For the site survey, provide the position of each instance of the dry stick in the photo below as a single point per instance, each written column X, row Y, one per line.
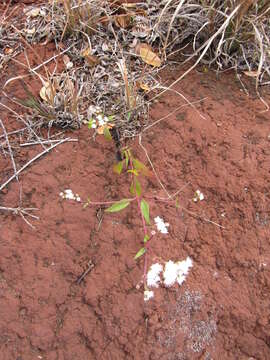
column 14, row 132
column 205, row 46
column 9, row 149
column 47, row 142
column 31, row 161
column 183, row 97
column 39, row 66
column 202, row 218
column 22, row 119
column 152, row 166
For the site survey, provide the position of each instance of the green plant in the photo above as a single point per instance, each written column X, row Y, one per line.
column 136, row 169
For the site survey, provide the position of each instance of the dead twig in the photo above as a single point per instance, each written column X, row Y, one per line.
column 23, row 212
column 10, row 150
column 91, row 265
column 31, row 161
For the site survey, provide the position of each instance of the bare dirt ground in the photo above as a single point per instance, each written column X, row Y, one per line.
column 220, row 312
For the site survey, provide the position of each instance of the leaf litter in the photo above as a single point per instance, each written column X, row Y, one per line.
column 113, row 53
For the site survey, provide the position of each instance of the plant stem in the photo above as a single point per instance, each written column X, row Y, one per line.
column 144, row 226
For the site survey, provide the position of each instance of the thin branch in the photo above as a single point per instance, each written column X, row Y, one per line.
column 31, row 161
column 9, row 149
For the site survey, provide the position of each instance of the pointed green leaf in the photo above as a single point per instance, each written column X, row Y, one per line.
column 138, row 187
column 145, row 211
column 117, row 168
column 139, row 253
column 107, row 134
column 177, row 203
column 120, row 205
column 140, row 167
column 146, row 238
column 131, row 190
column 138, row 190
column 126, row 158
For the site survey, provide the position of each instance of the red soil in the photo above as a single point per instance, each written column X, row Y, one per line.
column 220, row 312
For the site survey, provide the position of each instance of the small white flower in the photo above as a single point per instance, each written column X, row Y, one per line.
column 100, row 117
column 69, row 65
column 161, row 225
column 153, row 277
column 101, row 122
column 153, row 232
column 94, row 126
column 198, row 196
column 148, row 295
column 78, row 199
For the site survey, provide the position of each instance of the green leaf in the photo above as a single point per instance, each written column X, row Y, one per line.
column 120, row 205
column 137, row 190
column 117, row 168
column 90, row 123
column 177, row 203
column 111, row 117
column 126, row 158
column 138, row 187
column 107, row 134
column 146, row 238
column 145, row 211
column 139, row 253
column 140, row 167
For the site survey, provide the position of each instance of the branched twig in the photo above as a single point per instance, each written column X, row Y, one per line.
column 23, row 212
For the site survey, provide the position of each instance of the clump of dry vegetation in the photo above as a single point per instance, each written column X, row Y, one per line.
column 113, row 50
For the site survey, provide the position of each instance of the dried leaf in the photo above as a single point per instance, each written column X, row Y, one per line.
column 30, row 31
column 92, row 60
column 101, row 129
column 252, row 73
column 144, row 87
column 34, row 12
column 67, row 62
column 123, row 21
column 8, row 51
column 148, row 56
column 46, row 92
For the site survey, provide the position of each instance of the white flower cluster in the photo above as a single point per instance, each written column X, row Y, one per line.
column 153, row 277
column 198, row 196
column 68, row 194
column 161, row 225
column 176, row 272
column 96, row 117
column 172, row 272
column 148, row 294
